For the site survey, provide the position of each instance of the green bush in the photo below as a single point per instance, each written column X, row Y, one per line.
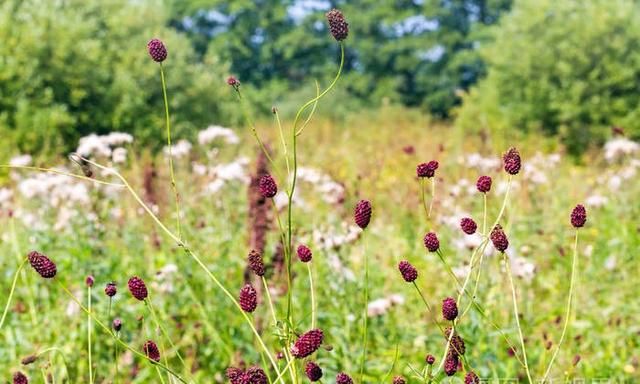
column 569, row 68
column 69, row 68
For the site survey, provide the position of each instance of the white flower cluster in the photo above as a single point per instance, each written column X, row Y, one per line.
column 330, row 191
column 106, row 146
column 481, row 163
column 214, row 132
column 179, row 150
column 537, row 168
column 619, row 148
column 332, row 239
column 381, row 306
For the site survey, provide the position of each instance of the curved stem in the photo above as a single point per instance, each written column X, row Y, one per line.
column 516, row 314
column 13, row 288
column 569, row 302
column 284, row 142
column 51, row 170
column 195, row 257
column 171, row 171
column 117, row 339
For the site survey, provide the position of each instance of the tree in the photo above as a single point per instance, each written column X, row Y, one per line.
column 559, row 67
column 69, row 68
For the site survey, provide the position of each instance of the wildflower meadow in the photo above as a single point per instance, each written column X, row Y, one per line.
column 384, row 246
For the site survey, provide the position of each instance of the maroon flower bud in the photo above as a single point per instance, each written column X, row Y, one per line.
column 232, row 81
column 117, row 324
column 248, row 298
column 304, row 253
column 578, row 216
column 20, row 378
column 512, row 161
column 307, row 344
column 343, row 378
column 256, row 376
column 89, row 281
column 431, row 242
column 29, row 360
column 254, row 260
column 157, row 50
column 362, row 213
column 408, row 271
column 137, row 288
column 457, row 343
column 449, row 309
column 451, row 364
column 268, row 187
column 430, row 359
column 399, row 380
column 151, row 350
column 110, row 289
column 484, row 184
column 338, row 27
column 471, row 378
column 313, row 371
column 499, row 238
column 427, row 169
column 576, row 360
column 235, row 375
column 42, row 264
column 468, row 226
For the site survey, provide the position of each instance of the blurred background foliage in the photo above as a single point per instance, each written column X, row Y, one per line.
column 73, row 67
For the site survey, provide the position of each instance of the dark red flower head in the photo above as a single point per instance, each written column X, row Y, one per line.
column 362, row 213
column 268, row 187
column 468, row 225
column 137, row 288
column 304, row 253
column 399, row 380
column 409, row 272
column 451, row 364
column 307, row 343
column 232, row 81
column 110, row 289
column 42, row 264
column 117, row 324
column 235, row 375
column 431, row 242
column 29, row 360
column 248, row 298
column 157, row 50
column 89, row 281
column 20, row 378
column 449, row 309
column 151, row 350
column 484, row 184
column 457, row 343
column 499, row 238
column 255, row 262
column 578, row 216
column 313, row 371
column 471, row 378
column 427, row 169
column 343, row 378
column 338, row 26
column 430, row 359
column 512, row 161
column 256, row 376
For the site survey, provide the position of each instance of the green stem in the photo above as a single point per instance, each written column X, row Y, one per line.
column 313, row 298
column 484, row 215
column 433, row 194
column 89, row 334
column 516, row 314
column 574, row 264
column 365, row 316
column 424, row 199
column 284, row 142
column 13, row 288
column 117, row 339
column 171, row 171
column 164, row 331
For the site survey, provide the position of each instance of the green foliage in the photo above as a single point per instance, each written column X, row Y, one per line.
column 560, row 67
column 409, row 52
column 75, row 67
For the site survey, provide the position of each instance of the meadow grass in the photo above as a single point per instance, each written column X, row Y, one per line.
column 112, row 239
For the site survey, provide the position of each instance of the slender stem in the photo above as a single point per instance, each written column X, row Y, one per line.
column 516, row 314
column 51, row 170
column 484, row 215
column 574, row 264
column 115, row 379
column 171, row 171
column 284, row 142
column 195, row 257
column 423, row 198
column 89, row 334
column 117, row 339
column 433, row 194
column 13, row 288
column 365, row 314
column 314, row 313
column 164, row 331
